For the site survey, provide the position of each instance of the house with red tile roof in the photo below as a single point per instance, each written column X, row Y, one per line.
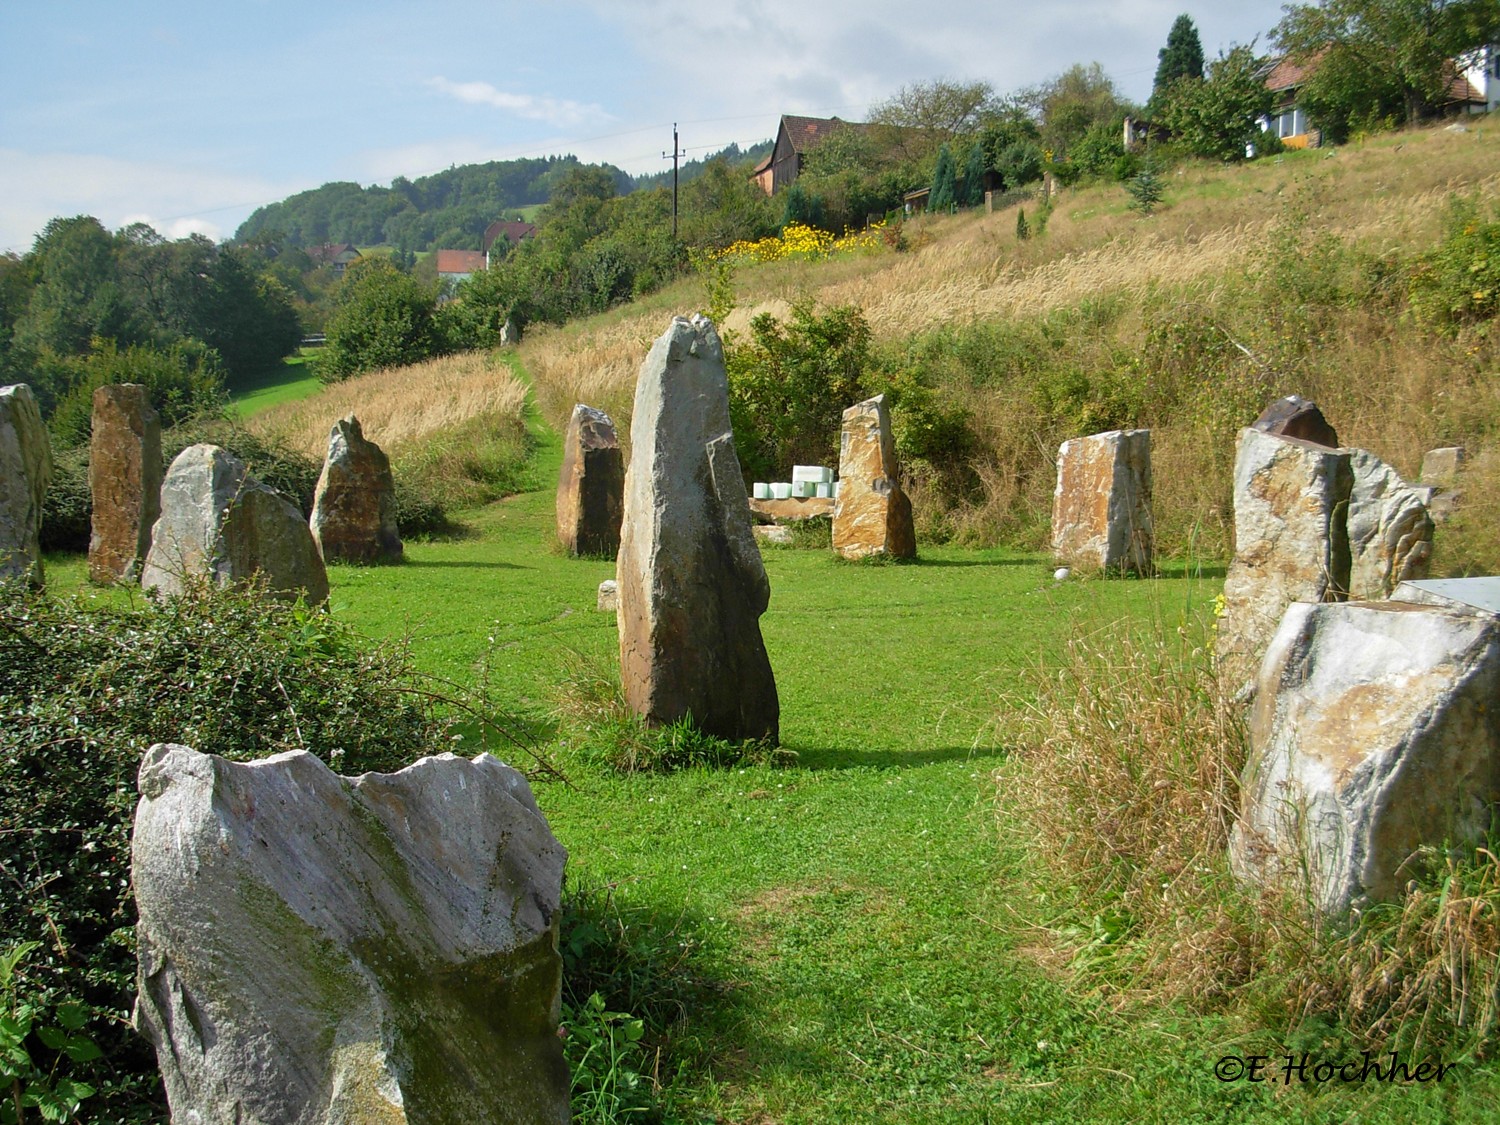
column 513, row 231
column 458, row 265
column 795, row 138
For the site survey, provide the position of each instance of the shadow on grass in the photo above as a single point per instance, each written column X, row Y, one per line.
column 458, row 564
column 815, row 759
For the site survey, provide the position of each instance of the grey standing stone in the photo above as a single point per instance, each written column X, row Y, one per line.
column 590, row 485
column 354, row 506
column 1374, row 732
column 1442, row 470
column 691, row 583
column 222, row 525
column 323, row 950
column 1291, row 542
column 608, row 600
column 1390, row 530
column 1101, row 507
column 125, row 475
column 25, row 473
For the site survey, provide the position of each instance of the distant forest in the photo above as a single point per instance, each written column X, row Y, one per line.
column 447, row 210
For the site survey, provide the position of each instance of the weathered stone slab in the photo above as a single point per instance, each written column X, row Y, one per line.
column 1297, row 417
column 1471, row 595
column 1390, row 530
column 591, row 485
column 1441, row 467
column 125, row 475
column 793, row 510
column 354, row 506
column 1291, row 542
column 1374, row 732
column 25, row 472
column 324, row 950
column 871, row 515
column 609, row 596
column 691, row 583
column 222, row 525
column 1101, row 507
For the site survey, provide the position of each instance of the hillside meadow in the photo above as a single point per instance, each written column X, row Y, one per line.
column 985, row 880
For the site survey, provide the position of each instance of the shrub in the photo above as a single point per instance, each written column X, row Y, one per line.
column 83, row 692
column 384, row 318
column 1458, row 283
column 181, row 381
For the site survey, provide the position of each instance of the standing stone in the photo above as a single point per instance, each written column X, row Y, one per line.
column 354, row 506
column 125, row 477
column 325, row 950
column 1291, row 541
column 608, row 598
column 1296, row 417
column 591, row 485
column 1440, row 472
column 25, row 472
column 691, row 583
column 1390, row 530
column 510, row 332
column 1101, row 509
column 1374, row 732
column 871, row 515
column 220, row 524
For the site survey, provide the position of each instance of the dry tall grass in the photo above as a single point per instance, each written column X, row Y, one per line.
column 398, row 406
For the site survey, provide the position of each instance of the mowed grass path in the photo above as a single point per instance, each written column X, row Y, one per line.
column 865, row 920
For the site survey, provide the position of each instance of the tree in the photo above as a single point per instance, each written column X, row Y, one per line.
column 944, row 182
column 1074, row 102
column 921, row 117
column 973, row 183
column 1381, row 59
column 1182, row 57
column 384, row 318
column 1219, row 116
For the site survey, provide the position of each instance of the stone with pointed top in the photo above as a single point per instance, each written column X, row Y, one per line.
column 1297, row 417
column 354, row 506
column 691, row 583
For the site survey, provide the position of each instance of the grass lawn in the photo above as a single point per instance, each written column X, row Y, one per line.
column 289, row 381
column 873, row 942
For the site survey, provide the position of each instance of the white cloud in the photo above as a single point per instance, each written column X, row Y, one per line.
column 175, row 199
column 561, row 113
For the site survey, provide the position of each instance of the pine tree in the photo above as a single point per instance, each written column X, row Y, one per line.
column 1145, row 190
column 1023, row 229
column 1182, row 57
column 944, row 182
column 973, row 192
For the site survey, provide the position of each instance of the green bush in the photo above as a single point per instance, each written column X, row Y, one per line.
column 83, row 692
column 181, row 381
column 384, row 318
column 68, row 505
column 1458, row 283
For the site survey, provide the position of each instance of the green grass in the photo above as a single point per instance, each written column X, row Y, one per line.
column 289, row 381
column 868, row 930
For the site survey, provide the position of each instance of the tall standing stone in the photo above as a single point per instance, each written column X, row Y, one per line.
column 25, row 472
column 1291, row 541
column 125, row 475
column 1390, row 529
column 1374, row 732
column 691, row 583
column 591, row 485
column 354, row 506
column 222, row 525
column 1101, row 508
column 325, row 950
column 871, row 515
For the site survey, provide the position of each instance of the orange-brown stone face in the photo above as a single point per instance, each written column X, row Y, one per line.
column 591, row 485
column 125, row 474
column 354, row 508
column 872, row 515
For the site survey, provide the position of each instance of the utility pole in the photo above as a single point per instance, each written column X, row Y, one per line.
column 676, row 152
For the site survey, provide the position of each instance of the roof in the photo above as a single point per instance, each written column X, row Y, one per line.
column 512, row 230
column 459, row 261
column 1288, row 73
column 331, row 251
column 805, row 133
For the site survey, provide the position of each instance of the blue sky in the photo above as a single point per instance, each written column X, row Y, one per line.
column 188, row 116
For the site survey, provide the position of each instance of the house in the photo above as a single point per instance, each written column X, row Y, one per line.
column 1473, row 87
column 458, row 265
column 511, row 230
column 335, row 254
column 795, row 138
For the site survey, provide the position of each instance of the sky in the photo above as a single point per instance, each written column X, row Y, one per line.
column 188, row 116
